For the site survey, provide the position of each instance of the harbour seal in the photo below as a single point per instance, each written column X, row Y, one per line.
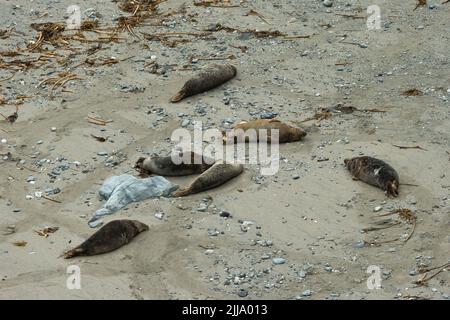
column 211, row 77
column 164, row 166
column 215, row 176
column 287, row 133
column 110, row 237
column 374, row 172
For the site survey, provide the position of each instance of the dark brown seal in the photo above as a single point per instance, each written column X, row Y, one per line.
column 209, row 78
column 215, row 176
column 164, row 166
column 287, row 133
column 374, row 172
column 110, row 237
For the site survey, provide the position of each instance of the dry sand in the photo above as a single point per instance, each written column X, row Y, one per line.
column 313, row 222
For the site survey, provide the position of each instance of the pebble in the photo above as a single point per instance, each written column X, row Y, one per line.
column 278, row 261
column 225, row 214
column 40, row 142
column 185, row 123
column 359, row 244
column 159, row 215
column 376, row 209
column 328, row 3
column 17, row 210
column 213, row 232
column 242, row 293
column 51, row 191
column 295, row 177
column 202, row 207
column 4, row 141
column 102, row 153
column 307, row 293
column 53, row 129
column 31, row 179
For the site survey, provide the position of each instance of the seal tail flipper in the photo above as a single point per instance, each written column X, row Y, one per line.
column 72, row 253
column 181, row 193
column 179, row 96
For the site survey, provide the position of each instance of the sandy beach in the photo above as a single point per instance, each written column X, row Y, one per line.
column 297, row 234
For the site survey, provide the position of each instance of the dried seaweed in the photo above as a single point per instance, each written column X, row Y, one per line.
column 257, row 14
column 98, row 121
column 48, row 31
column 351, row 109
column 134, row 6
column 60, row 80
column 215, row 3
column 322, row 114
column 404, row 214
column 98, row 138
column 20, row 243
column 412, row 92
column 420, row 3
column 89, row 25
column 425, row 278
column 13, row 117
column 45, row 232
column 410, row 147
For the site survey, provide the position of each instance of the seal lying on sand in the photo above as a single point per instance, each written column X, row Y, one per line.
column 374, row 172
column 286, row 132
column 207, row 79
column 215, row 176
column 110, row 237
column 164, row 166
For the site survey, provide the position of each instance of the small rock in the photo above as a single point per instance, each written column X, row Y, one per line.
column 202, row 207
column 307, row 293
column 159, row 215
column 359, row 244
column 376, row 209
column 328, row 3
column 278, row 261
column 225, row 214
column 242, row 293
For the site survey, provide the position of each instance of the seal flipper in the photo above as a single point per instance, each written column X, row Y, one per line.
column 181, row 193
column 73, row 253
column 179, row 96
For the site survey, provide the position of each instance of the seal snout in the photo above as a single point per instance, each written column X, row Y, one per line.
column 297, row 134
column 140, row 226
column 392, row 188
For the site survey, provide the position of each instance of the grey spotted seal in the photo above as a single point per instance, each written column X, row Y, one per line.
column 375, row 172
column 165, row 166
column 209, row 78
column 111, row 236
column 215, row 176
column 286, row 132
